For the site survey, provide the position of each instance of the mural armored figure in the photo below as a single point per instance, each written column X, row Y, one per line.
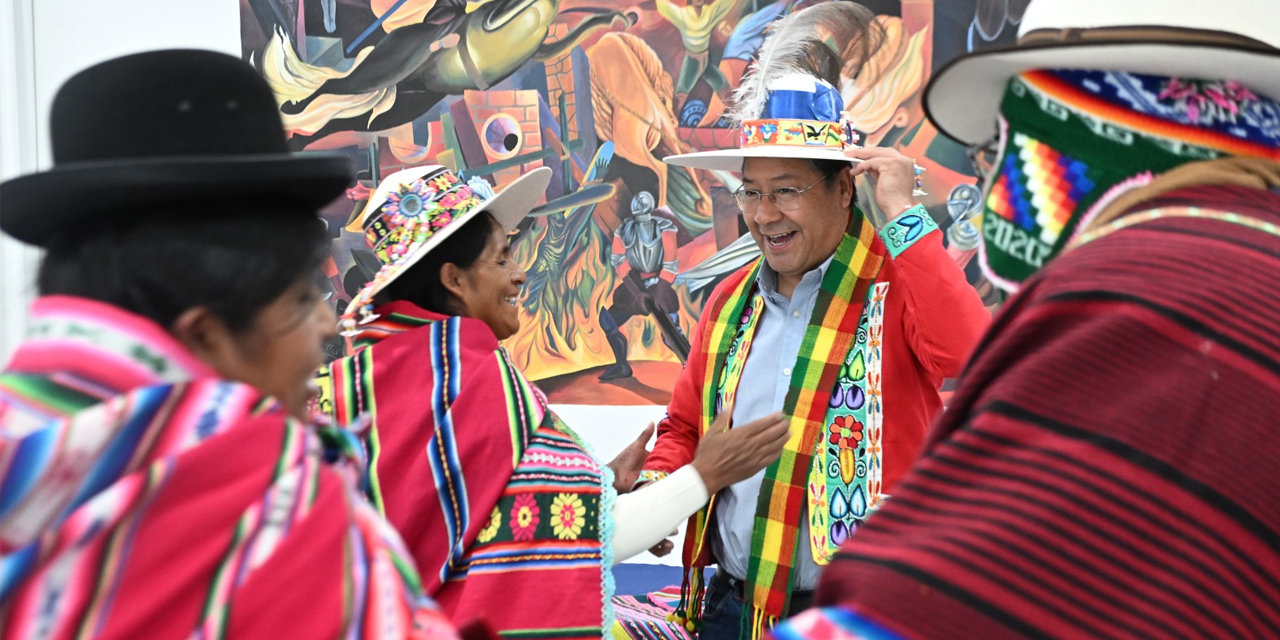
column 644, row 259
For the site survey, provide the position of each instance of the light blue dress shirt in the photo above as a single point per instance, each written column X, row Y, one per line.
column 762, row 389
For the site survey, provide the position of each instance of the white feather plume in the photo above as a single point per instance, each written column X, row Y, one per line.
column 818, row 41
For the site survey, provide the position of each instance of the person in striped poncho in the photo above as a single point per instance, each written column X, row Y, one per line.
column 157, row 476
column 1106, row 468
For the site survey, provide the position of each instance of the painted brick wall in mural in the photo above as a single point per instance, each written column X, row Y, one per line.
column 598, row 91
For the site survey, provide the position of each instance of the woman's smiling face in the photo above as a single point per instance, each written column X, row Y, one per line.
column 489, row 289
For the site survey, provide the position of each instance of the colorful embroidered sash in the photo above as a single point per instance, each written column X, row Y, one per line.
column 844, row 480
column 831, row 335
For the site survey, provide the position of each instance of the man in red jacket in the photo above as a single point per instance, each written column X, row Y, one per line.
column 1106, row 466
column 848, row 325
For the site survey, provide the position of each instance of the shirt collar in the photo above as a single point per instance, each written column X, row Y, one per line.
column 767, row 278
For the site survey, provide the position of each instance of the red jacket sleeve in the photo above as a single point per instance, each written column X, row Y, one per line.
column 944, row 317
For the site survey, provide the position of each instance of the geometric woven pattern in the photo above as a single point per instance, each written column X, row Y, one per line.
column 1039, row 187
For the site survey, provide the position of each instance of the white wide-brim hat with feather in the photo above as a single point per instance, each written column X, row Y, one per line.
column 415, row 210
column 786, row 106
column 1225, row 40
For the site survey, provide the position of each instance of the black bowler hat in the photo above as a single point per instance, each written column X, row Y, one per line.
column 163, row 127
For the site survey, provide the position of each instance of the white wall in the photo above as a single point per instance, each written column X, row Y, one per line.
column 609, row 430
column 18, row 155
column 44, row 42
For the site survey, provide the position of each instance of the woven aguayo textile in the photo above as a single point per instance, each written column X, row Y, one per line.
column 648, row 617
column 501, row 505
column 1107, row 467
column 141, row 496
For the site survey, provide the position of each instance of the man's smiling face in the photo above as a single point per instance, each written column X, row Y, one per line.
column 796, row 242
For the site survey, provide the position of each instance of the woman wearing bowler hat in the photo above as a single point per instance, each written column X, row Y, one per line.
column 157, row 475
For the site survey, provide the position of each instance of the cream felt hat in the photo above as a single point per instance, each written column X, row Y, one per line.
column 1225, row 40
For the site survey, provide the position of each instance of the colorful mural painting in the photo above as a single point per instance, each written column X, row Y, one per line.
column 624, row 249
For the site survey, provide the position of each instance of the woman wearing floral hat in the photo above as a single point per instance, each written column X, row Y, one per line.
column 157, row 478
column 508, row 516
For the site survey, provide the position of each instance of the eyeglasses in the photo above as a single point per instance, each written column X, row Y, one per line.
column 783, row 198
column 984, row 156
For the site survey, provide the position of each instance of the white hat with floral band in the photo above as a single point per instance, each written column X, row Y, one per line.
column 415, row 210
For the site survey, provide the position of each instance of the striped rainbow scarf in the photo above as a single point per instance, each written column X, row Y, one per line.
column 829, row 337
